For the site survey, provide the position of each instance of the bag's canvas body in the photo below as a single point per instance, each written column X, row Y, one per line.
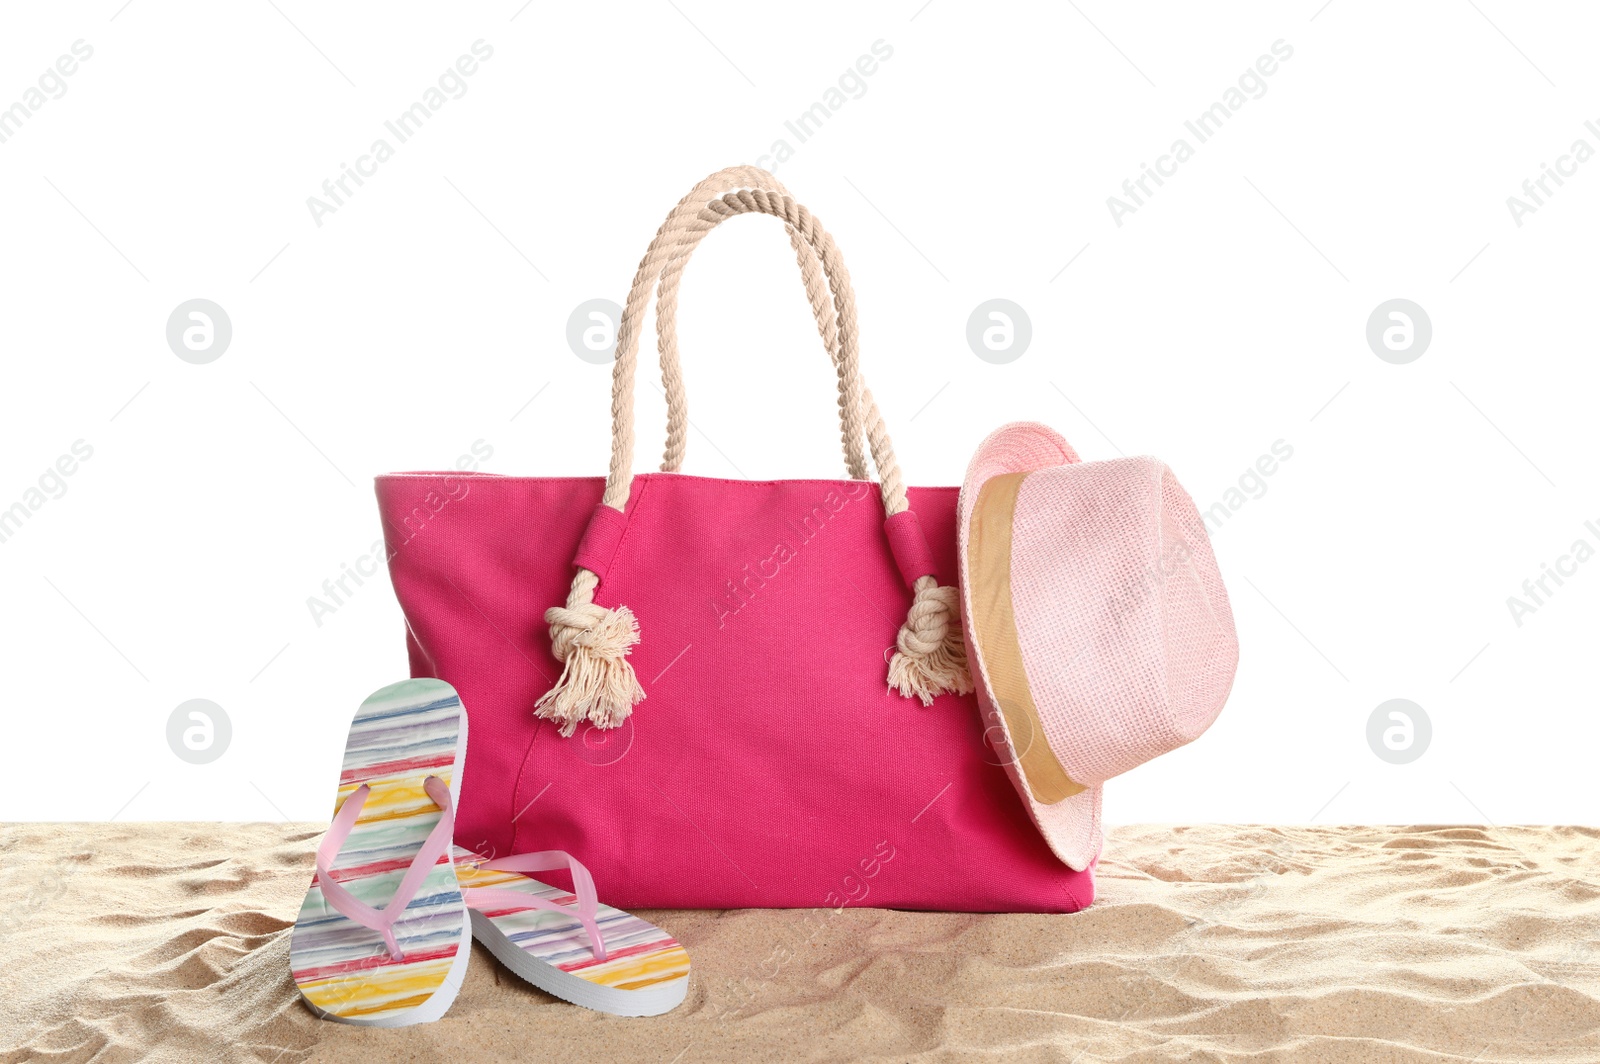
column 769, row 764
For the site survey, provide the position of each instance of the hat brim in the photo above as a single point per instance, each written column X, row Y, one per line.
column 1070, row 824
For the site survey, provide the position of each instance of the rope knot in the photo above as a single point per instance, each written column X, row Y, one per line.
column 930, row 656
column 597, row 682
column 586, row 625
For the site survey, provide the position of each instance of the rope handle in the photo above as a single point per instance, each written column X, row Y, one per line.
column 681, row 238
column 597, row 682
column 674, row 239
column 713, row 213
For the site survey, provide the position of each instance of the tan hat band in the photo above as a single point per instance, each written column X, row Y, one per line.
column 993, row 627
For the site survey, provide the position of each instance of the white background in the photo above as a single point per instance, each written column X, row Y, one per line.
column 429, row 312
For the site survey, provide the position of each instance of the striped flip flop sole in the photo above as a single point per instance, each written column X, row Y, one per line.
column 645, row 973
column 401, row 735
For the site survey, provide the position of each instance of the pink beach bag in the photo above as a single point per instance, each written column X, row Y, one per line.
column 769, row 763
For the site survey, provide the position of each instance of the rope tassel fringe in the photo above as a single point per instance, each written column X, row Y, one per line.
column 597, row 682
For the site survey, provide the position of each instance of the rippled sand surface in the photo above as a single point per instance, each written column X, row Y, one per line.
column 1207, row 943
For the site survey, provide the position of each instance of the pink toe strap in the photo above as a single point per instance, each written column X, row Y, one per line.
column 504, row 898
column 347, row 904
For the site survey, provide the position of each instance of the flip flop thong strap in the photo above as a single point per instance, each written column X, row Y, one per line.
column 436, row 845
column 585, row 911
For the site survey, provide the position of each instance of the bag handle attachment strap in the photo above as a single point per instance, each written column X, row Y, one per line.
column 597, row 682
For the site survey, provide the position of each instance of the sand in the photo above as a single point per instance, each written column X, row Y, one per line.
column 170, row 942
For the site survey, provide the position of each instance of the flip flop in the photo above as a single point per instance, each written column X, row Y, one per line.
column 383, row 936
column 565, row 942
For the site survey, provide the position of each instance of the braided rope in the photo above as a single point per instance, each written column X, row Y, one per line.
column 688, row 238
column 847, row 355
column 664, row 251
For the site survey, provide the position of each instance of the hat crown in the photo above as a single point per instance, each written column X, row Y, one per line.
column 1125, row 629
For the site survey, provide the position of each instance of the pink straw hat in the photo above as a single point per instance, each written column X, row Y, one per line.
column 1096, row 622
